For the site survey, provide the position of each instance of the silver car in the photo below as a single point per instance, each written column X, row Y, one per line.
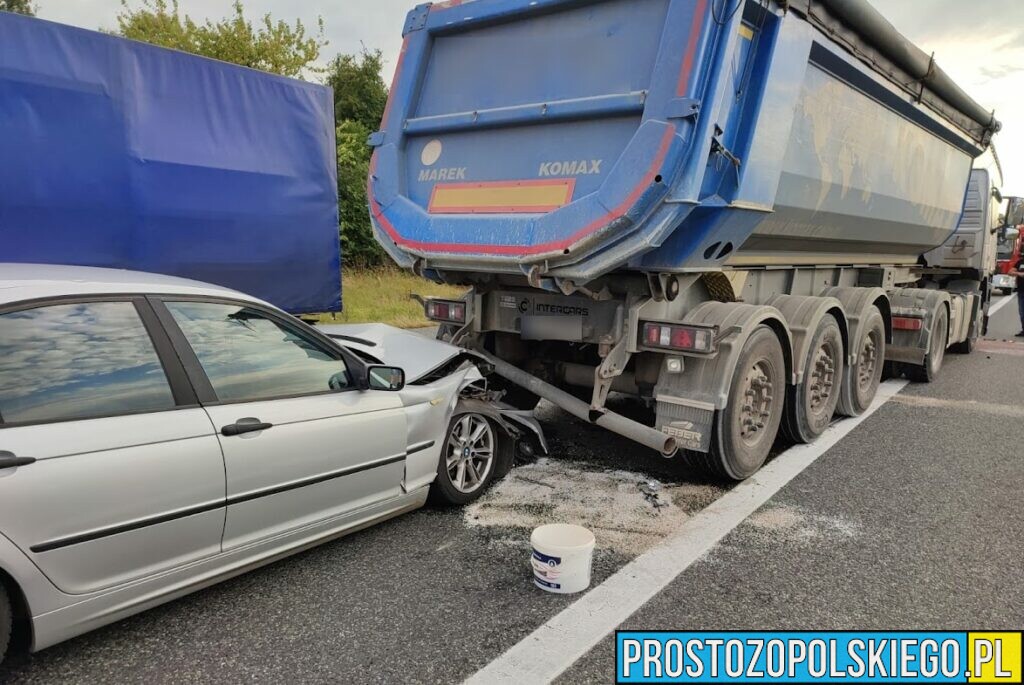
column 158, row 435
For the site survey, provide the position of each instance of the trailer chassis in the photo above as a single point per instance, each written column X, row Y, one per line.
column 838, row 328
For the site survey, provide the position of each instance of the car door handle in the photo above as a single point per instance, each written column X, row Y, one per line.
column 8, row 460
column 242, row 426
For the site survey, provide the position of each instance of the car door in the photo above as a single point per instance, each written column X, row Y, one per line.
column 301, row 443
column 109, row 469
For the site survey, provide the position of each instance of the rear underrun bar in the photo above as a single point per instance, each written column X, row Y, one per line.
column 616, row 423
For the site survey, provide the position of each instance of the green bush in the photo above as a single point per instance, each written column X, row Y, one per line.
column 358, row 246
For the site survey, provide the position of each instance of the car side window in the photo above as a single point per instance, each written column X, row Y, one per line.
column 249, row 356
column 76, row 361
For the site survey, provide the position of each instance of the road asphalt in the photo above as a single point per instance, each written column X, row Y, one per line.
column 911, row 521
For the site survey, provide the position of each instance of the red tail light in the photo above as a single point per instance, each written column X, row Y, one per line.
column 907, row 323
column 446, row 311
column 680, row 338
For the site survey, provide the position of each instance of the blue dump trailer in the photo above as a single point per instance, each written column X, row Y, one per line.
column 741, row 212
column 118, row 154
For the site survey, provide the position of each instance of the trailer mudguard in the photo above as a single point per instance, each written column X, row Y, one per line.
column 912, row 347
column 803, row 314
column 857, row 302
column 687, row 401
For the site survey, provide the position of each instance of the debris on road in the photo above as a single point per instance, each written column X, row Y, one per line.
column 795, row 524
column 628, row 512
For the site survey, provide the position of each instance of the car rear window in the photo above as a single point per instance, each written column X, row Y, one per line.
column 75, row 361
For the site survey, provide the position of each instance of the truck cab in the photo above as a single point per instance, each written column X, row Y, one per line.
column 1008, row 253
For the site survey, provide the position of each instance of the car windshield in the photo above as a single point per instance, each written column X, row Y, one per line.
column 1004, row 249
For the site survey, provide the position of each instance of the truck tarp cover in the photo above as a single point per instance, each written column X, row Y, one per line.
column 119, row 154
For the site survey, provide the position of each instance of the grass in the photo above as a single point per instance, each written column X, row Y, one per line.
column 383, row 296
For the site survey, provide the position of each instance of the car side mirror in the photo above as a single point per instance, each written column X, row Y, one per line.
column 386, row 378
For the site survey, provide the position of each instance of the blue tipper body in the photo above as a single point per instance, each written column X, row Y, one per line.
column 575, row 138
column 119, row 154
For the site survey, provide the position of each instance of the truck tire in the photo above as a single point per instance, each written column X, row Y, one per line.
column 967, row 346
column 811, row 404
column 860, row 384
column 6, row 621
column 929, row 371
column 745, row 430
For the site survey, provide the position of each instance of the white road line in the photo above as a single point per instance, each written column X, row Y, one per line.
column 1000, row 304
column 555, row 646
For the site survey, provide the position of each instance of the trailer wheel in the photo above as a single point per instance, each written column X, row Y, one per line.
column 745, row 430
column 927, row 372
column 811, row 404
column 863, row 377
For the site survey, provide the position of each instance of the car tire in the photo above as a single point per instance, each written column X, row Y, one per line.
column 474, row 453
column 6, row 621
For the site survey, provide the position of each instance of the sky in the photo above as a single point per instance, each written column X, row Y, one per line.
column 980, row 44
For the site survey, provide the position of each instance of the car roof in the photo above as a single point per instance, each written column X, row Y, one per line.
column 20, row 282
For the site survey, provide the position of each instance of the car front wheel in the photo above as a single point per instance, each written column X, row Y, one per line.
column 474, row 450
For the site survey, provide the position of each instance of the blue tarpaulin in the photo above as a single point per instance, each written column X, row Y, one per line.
column 120, row 154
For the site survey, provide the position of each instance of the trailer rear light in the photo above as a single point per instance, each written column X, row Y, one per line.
column 907, row 323
column 446, row 311
column 680, row 338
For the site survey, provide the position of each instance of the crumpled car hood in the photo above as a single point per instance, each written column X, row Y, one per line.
column 414, row 352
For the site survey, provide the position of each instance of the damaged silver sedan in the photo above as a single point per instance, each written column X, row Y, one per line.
column 158, row 435
column 483, row 434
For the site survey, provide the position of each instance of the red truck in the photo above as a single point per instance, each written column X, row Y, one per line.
column 1008, row 253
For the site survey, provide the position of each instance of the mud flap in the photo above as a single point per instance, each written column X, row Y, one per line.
column 688, row 401
column 912, row 347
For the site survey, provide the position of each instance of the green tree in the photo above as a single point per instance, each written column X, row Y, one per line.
column 358, row 246
column 271, row 45
column 18, row 7
column 359, row 100
column 359, row 91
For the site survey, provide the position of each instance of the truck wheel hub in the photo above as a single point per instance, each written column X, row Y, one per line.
column 757, row 401
column 823, row 377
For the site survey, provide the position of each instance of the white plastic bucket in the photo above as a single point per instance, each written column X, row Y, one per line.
column 561, row 558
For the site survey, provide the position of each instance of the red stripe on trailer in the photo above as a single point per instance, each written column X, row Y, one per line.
column 691, row 48
column 564, row 244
